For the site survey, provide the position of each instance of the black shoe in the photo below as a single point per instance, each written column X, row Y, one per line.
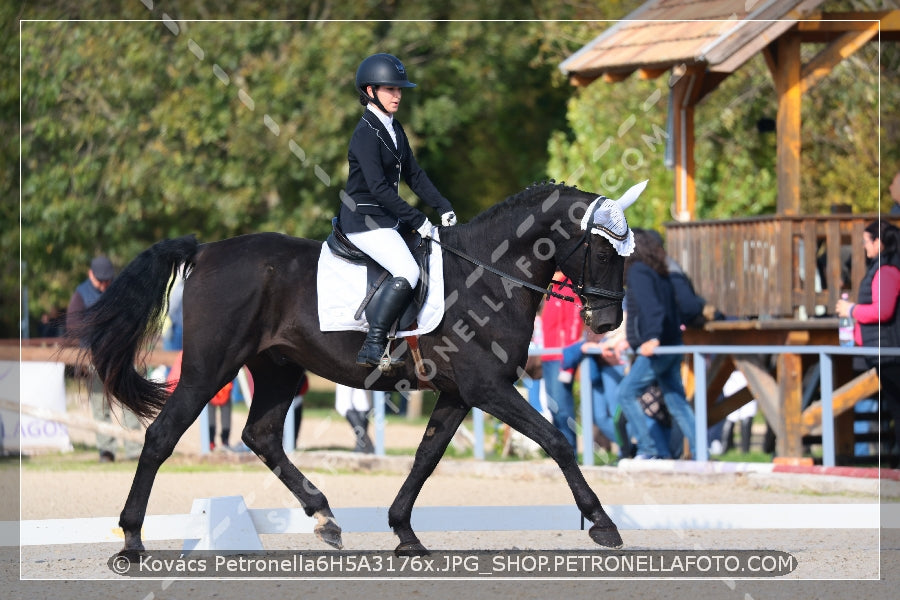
column 388, row 303
column 106, row 456
column 360, row 424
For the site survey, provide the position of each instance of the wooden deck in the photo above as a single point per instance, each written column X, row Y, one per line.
column 775, row 266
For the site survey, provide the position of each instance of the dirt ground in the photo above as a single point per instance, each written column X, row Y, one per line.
column 832, row 563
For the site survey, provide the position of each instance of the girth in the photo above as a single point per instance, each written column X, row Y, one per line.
column 341, row 246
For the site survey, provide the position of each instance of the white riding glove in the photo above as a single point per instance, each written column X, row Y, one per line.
column 448, row 219
column 425, row 228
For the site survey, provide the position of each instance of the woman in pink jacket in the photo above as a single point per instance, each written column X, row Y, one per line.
column 876, row 313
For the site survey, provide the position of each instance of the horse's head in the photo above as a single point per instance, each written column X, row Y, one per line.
column 596, row 264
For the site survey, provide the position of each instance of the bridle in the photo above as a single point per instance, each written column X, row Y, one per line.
column 579, row 288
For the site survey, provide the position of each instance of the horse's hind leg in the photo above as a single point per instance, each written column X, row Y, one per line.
column 448, row 413
column 181, row 409
column 274, row 388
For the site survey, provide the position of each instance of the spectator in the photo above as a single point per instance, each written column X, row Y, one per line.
column 695, row 310
column 100, row 275
column 877, row 323
column 222, row 401
column 606, row 369
column 354, row 405
column 52, row 324
column 721, row 435
column 561, row 326
column 653, row 320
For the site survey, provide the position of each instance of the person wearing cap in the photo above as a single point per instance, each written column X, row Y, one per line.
column 372, row 212
column 100, row 275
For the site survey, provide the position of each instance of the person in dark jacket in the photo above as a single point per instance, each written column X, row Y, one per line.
column 695, row 310
column 875, row 313
column 100, row 275
column 372, row 212
column 653, row 321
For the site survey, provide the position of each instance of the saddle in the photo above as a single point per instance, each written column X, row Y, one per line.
column 341, row 246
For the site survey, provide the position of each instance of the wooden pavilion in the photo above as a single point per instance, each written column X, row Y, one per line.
column 763, row 270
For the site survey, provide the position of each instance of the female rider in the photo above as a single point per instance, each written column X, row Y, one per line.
column 372, row 211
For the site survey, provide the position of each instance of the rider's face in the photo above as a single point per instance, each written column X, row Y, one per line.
column 389, row 97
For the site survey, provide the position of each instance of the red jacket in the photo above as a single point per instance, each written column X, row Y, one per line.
column 561, row 322
column 221, row 397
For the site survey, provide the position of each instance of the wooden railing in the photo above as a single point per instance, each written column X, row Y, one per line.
column 55, row 350
column 767, row 267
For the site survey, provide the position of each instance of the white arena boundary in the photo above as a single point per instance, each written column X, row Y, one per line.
column 225, row 523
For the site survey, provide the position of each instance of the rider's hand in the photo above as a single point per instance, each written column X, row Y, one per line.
column 425, row 228
column 448, row 218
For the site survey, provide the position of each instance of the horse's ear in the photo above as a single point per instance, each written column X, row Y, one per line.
column 631, row 195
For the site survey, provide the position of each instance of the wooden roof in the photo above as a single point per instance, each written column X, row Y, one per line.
column 719, row 34
column 704, row 41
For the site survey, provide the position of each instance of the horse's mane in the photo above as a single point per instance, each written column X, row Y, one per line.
column 535, row 193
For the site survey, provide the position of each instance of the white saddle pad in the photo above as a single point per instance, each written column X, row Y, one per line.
column 342, row 287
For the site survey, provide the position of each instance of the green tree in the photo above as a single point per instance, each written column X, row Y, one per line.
column 137, row 131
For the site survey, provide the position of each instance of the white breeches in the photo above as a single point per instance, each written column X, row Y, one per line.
column 347, row 398
column 387, row 248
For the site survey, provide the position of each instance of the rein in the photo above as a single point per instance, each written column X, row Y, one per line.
column 579, row 289
column 507, row 276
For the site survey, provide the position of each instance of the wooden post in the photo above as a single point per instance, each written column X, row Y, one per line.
column 788, row 88
column 685, row 89
column 790, row 390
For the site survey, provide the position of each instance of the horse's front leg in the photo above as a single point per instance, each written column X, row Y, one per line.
column 445, row 419
column 505, row 403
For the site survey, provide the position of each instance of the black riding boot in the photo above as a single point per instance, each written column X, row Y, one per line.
column 360, row 424
column 746, row 434
column 383, row 310
column 727, row 436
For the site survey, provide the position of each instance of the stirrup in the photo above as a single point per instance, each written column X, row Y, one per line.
column 388, row 362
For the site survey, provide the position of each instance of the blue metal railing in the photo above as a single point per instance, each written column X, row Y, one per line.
column 826, row 383
column 699, row 352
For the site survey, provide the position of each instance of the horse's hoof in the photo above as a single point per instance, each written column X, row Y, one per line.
column 606, row 536
column 330, row 533
column 132, row 555
column 411, row 549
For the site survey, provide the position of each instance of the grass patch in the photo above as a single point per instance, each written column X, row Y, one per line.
column 754, row 456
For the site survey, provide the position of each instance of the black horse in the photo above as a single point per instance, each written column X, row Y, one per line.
column 252, row 300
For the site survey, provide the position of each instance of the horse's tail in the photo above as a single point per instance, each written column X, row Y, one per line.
column 116, row 329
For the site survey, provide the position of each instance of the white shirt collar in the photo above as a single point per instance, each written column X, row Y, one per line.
column 386, row 120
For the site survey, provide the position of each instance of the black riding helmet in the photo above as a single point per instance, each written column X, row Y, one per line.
column 380, row 69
